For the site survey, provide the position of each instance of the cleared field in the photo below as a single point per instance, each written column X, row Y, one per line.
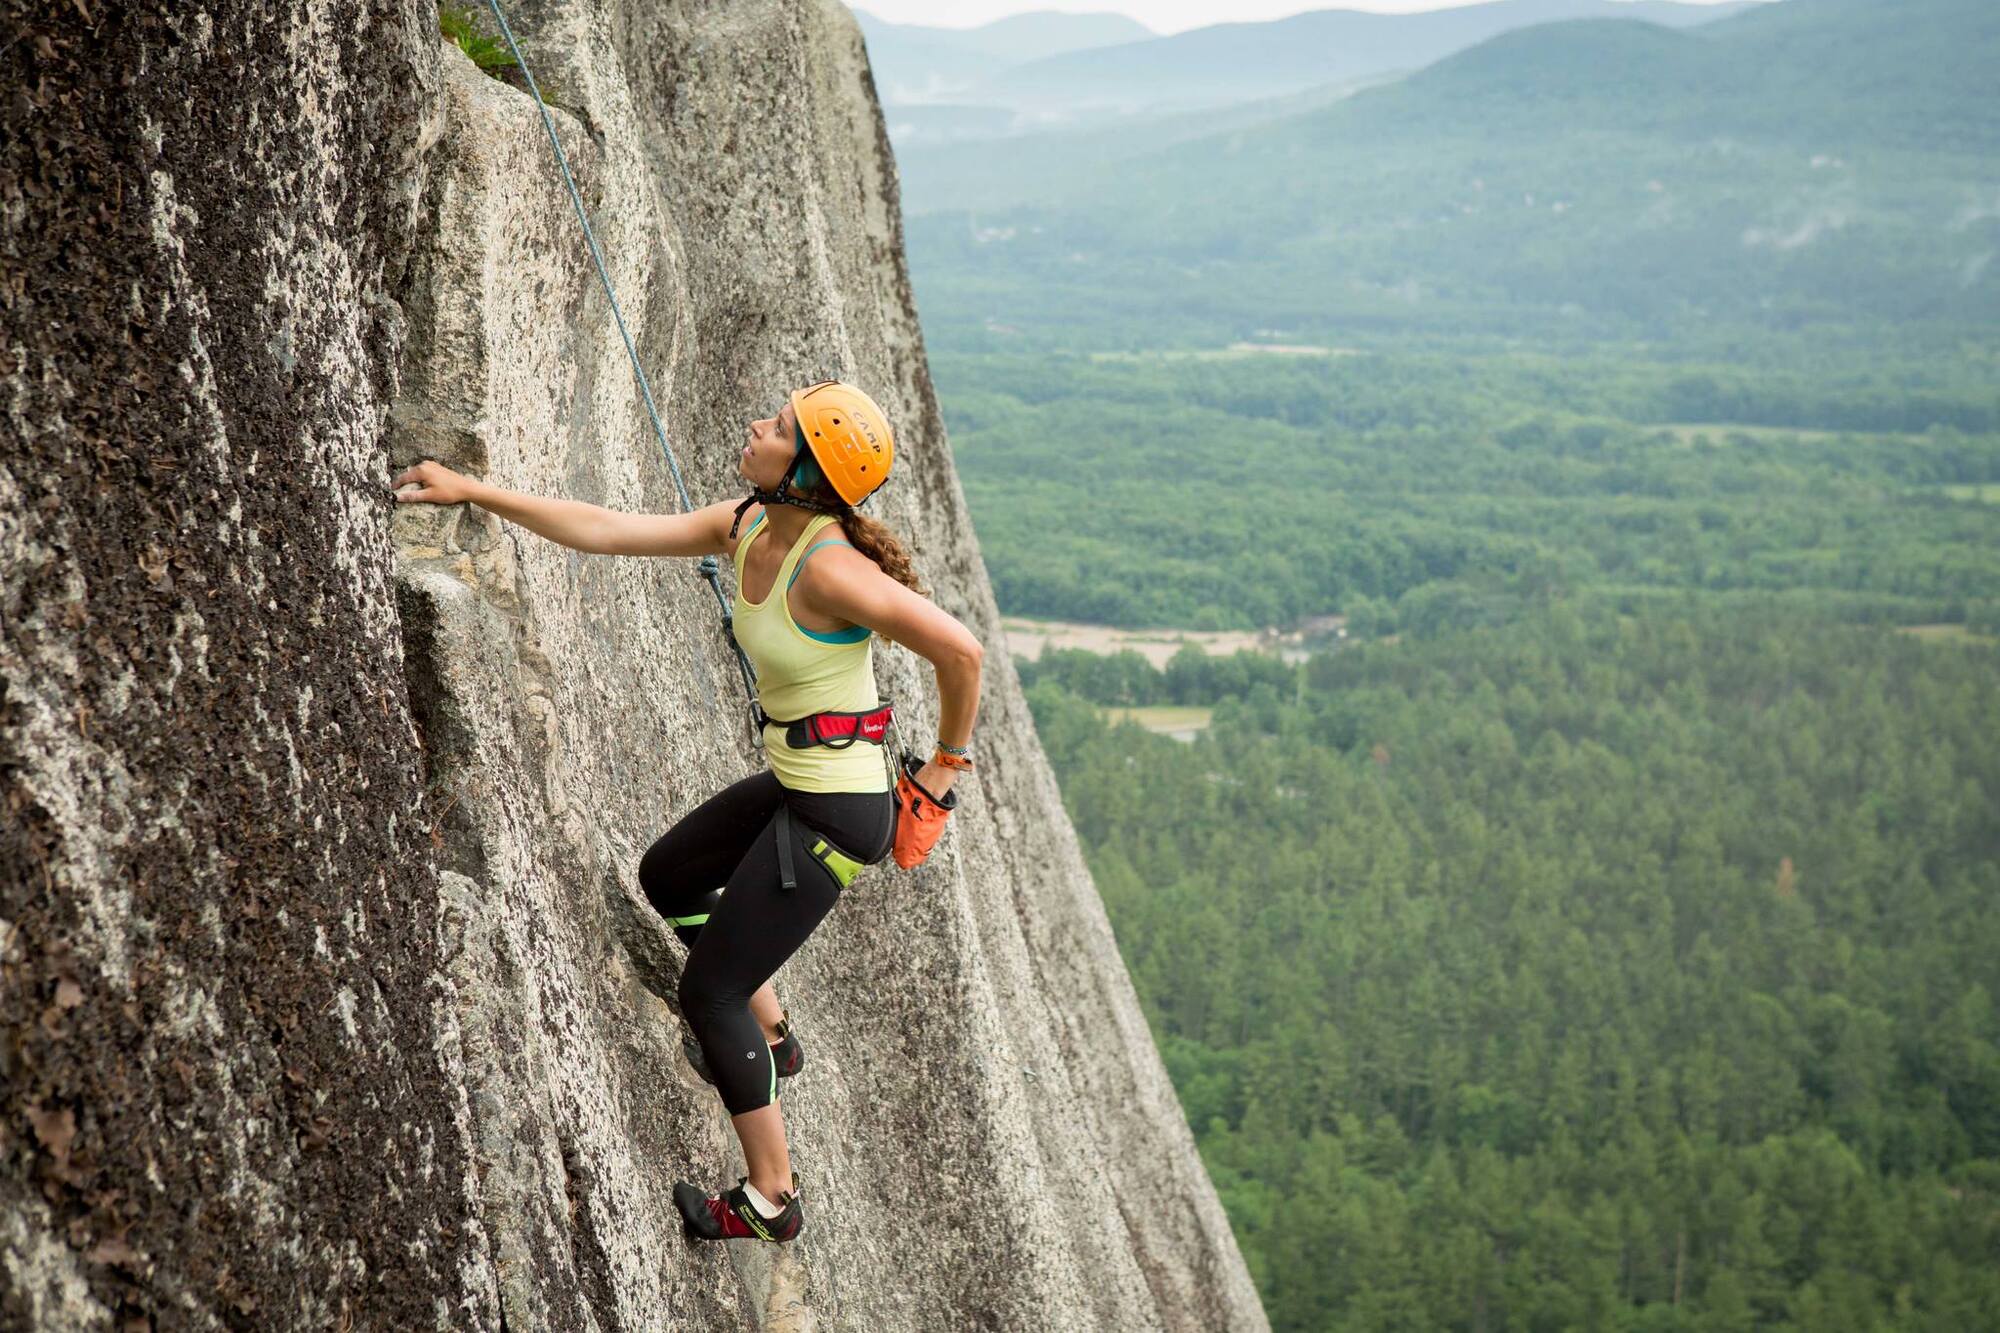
column 1028, row 638
column 1166, row 719
column 1945, row 634
column 1233, row 352
column 1686, row 433
column 1983, row 493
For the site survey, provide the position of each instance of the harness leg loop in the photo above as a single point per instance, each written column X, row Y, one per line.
column 788, row 875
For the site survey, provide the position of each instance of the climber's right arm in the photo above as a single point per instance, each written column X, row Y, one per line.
column 702, row 531
column 573, row 523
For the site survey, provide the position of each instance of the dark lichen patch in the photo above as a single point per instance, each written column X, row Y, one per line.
column 223, row 1085
column 587, row 1254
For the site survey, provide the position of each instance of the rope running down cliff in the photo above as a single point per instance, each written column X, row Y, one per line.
column 709, row 568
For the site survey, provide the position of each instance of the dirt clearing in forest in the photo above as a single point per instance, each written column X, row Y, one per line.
column 1027, row 638
column 1166, row 719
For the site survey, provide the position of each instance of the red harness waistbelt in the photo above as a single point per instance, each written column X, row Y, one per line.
column 836, row 731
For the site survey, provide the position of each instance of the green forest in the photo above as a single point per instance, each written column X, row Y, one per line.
column 1418, row 489
column 1603, row 934
column 1590, row 972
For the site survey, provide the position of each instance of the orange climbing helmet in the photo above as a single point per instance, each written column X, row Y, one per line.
column 848, row 435
column 843, row 438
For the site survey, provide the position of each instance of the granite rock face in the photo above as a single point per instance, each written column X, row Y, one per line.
column 327, row 994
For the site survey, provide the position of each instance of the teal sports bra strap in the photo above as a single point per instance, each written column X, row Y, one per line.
column 831, row 541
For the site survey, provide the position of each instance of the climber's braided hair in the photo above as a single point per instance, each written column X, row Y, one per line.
column 871, row 538
column 875, row 541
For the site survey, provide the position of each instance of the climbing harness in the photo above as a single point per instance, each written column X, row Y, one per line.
column 708, row 567
column 836, row 731
column 839, row 864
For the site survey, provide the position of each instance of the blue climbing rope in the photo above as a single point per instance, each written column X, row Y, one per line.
column 709, row 567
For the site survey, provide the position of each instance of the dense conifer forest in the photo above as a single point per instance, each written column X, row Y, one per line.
column 1591, row 972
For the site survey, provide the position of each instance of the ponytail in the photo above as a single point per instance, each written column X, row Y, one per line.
column 872, row 539
column 875, row 541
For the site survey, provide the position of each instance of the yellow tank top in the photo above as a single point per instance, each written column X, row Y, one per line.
column 802, row 671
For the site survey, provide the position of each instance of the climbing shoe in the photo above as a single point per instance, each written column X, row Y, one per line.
column 786, row 1052
column 731, row 1215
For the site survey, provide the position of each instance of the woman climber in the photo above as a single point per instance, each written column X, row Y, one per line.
column 745, row 877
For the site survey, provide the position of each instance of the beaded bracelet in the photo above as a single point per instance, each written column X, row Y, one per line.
column 947, row 757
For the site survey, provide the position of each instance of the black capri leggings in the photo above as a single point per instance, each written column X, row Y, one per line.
column 715, row 877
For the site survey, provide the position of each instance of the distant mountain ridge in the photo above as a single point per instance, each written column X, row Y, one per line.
column 1918, row 72
column 916, row 63
column 1233, row 62
column 1806, row 162
column 1036, row 35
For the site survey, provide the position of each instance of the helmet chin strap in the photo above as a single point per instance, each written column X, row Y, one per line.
column 781, row 496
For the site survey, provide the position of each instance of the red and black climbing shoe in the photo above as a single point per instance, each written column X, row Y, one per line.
column 786, row 1053
column 732, row 1216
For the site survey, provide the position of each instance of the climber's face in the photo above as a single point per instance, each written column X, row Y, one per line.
column 768, row 450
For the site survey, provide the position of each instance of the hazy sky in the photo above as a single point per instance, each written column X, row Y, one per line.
column 1159, row 15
